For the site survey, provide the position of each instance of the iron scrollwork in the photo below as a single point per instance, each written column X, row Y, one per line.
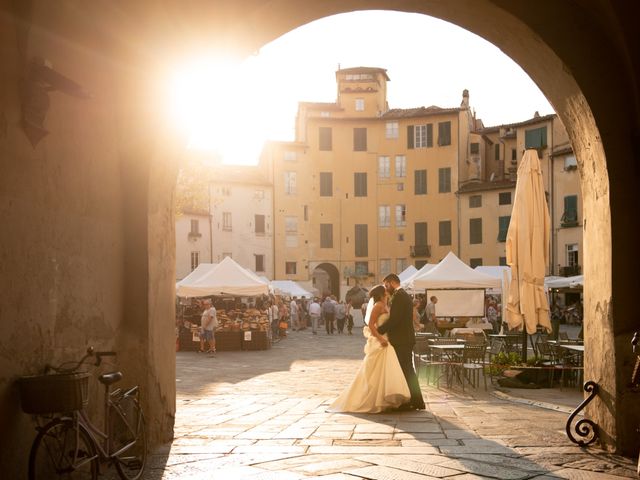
column 584, row 428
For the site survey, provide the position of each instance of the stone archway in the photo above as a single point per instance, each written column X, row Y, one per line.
column 326, row 278
column 90, row 254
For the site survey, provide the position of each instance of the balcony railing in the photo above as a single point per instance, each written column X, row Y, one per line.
column 420, row 250
column 570, row 271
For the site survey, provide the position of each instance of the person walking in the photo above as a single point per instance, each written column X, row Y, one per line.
column 399, row 329
column 293, row 315
column 328, row 314
column 349, row 317
column 341, row 316
column 314, row 312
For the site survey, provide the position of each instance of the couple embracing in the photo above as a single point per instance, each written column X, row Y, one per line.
column 386, row 380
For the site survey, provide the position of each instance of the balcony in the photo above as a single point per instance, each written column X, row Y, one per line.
column 420, row 250
column 570, row 271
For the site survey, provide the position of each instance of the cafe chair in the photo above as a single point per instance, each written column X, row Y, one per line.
column 473, row 364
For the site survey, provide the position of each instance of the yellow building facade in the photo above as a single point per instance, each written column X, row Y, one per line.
column 366, row 190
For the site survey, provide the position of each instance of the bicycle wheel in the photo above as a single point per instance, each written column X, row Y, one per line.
column 127, row 437
column 57, row 452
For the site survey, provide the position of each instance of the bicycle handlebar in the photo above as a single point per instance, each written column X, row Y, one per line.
column 90, row 353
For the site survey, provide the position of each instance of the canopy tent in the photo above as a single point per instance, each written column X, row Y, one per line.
column 200, row 271
column 497, row 271
column 406, row 283
column 290, row 288
column 407, row 272
column 226, row 278
column 453, row 273
column 575, row 282
column 459, row 288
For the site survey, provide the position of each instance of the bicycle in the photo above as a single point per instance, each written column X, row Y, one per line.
column 69, row 445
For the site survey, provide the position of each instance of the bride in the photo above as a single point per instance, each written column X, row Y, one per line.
column 379, row 383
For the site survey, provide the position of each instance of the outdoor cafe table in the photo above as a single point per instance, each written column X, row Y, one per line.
column 576, row 352
column 452, row 354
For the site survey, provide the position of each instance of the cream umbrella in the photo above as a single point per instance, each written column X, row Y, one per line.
column 528, row 250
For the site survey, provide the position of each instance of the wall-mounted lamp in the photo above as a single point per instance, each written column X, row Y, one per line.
column 40, row 79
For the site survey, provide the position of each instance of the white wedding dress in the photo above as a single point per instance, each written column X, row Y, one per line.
column 379, row 383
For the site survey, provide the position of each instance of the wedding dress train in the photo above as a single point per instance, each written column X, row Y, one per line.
column 379, row 383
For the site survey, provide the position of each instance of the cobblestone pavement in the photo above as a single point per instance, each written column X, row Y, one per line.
column 261, row 415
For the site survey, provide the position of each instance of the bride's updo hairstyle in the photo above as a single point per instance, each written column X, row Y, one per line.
column 377, row 293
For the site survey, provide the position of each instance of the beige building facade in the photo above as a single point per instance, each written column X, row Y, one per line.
column 486, row 200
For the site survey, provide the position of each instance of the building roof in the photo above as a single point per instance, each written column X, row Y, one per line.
column 479, row 186
column 418, row 112
column 531, row 121
column 383, row 71
column 320, row 105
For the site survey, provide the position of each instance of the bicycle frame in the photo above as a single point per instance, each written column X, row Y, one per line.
column 100, row 438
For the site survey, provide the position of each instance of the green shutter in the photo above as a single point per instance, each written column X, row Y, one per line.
column 503, row 228
column 429, row 135
column 570, row 215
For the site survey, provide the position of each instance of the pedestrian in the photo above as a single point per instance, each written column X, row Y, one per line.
column 208, row 323
column 556, row 316
column 328, row 314
column 314, row 312
column 284, row 318
column 430, row 313
column 349, row 317
column 341, row 316
column 293, row 314
column 417, row 325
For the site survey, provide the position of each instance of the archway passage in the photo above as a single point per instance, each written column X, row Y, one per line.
column 91, row 203
column 326, row 278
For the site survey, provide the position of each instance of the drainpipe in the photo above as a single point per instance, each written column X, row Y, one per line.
column 457, row 195
column 210, row 223
column 552, row 201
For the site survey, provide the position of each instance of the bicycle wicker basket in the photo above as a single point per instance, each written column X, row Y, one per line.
column 63, row 392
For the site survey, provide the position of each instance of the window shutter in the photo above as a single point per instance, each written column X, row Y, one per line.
column 362, row 249
column 410, row 136
column 420, row 230
column 444, row 232
column 429, row 135
column 503, row 228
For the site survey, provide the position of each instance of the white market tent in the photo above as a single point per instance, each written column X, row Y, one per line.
column 406, row 283
column 497, row 271
column 576, row 282
column 226, row 278
column 200, row 271
column 407, row 272
column 459, row 288
column 290, row 288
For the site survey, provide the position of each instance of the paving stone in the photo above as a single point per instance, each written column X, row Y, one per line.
column 409, row 465
column 372, row 436
column 359, row 449
column 386, row 473
column 374, row 428
column 482, row 448
column 436, row 442
column 574, row 474
column 486, row 469
column 505, row 461
column 330, row 466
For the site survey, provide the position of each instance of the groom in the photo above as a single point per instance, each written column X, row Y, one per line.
column 401, row 335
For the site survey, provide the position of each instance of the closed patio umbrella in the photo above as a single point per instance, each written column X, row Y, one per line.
column 528, row 250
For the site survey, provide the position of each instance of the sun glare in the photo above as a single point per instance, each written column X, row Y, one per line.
column 218, row 107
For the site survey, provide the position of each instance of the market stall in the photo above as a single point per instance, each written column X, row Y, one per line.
column 232, row 289
column 459, row 288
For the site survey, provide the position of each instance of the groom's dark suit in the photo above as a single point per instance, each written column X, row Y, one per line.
column 399, row 329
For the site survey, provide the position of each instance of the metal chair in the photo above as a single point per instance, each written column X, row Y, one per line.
column 473, row 364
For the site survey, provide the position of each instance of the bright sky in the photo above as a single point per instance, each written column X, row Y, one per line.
column 428, row 60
